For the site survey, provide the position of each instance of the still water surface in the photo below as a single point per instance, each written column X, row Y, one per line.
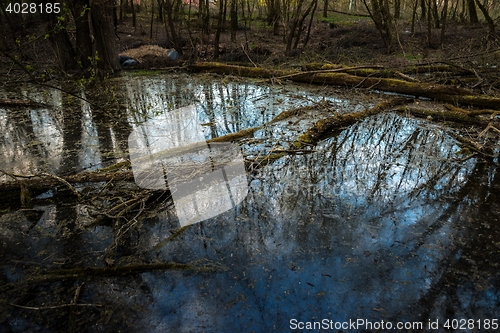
column 383, row 221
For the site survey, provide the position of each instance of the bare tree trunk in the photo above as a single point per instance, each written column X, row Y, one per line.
column 160, row 10
column 293, row 27
column 471, row 5
column 121, row 10
column 105, row 41
column 234, row 19
column 397, row 9
column 435, row 14
column 444, row 16
column 301, row 23
column 219, row 29
column 245, row 19
column 82, row 25
column 455, row 10
column 484, row 10
column 274, row 15
column 429, row 24
column 414, row 16
column 133, row 13
column 325, row 9
column 61, row 45
column 424, row 10
column 171, row 26
column 381, row 16
column 152, row 19
column 310, row 23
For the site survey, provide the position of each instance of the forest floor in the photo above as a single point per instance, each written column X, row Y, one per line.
column 339, row 39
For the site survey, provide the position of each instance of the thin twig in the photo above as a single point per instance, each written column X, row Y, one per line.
column 53, row 307
column 65, row 183
column 248, row 55
column 15, row 176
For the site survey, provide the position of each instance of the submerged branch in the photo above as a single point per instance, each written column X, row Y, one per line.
column 81, row 273
column 324, row 126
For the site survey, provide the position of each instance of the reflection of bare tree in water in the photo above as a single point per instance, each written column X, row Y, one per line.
column 72, row 137
column 470, row 271
column 381, row 215
column 383, row 180
column 19, row 127
column 113, row 128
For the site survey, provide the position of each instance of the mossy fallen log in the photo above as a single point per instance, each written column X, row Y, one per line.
column 235, row 136
column 387, row 72
column 447, row 115
column 432, row 91
column 324, row 126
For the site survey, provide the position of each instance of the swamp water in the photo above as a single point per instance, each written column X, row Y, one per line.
column 383, row 221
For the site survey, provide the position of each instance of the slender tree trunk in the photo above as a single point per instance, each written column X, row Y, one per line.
column 274, row 15
column 484, row 10
column 429, row 24
column 105, row 41
column 424, row 10
column 473, row 18
column 381, row 16
column 82, row 33
column 133, row 13
column 325, row 9
column 160, row 10
column 310, row 23
column 435, row 15
column 219, row 29
column 444, row 16
column 414, row 16
column 61, row 45
column 152, row 19
column 121, row 10
column 301, row 23
column 455, row 10
column 234, row 19
column 245, row 20
column 397, row 9
column 293, row 27
column 171, row 26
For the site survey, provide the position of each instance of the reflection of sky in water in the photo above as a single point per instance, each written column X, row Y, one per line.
column 369, row 226
column 89, row 154
column 314, row 240
column 224, row 107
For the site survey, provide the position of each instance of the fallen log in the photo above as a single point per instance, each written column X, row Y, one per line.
column 432, row 91
column 324, row 126
column 40, row 182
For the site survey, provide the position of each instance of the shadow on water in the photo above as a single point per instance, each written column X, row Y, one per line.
column 382, row 222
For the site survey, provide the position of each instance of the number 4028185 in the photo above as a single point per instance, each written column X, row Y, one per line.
column 479, row 324
column 33, row 8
